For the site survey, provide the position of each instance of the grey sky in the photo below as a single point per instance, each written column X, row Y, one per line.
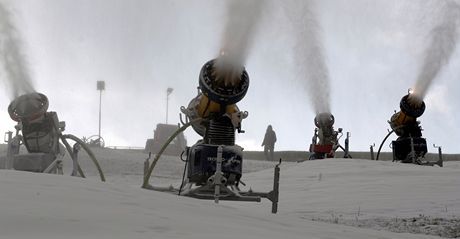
column 373, row 50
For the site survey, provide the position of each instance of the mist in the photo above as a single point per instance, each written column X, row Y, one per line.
column 14, row 70
column 309, row 59
column 443, row 41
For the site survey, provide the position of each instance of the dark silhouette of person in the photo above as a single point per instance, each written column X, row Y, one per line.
column 269, row 143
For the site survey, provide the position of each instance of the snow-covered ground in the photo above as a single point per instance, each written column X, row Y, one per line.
column 373, row 194
column 338, row 198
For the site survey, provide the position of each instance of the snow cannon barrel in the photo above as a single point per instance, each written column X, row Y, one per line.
column 222, row 84
column 325, row 122
column 28, row 107
column 411, row 108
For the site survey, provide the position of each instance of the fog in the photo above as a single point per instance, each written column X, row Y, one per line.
column 373, row 53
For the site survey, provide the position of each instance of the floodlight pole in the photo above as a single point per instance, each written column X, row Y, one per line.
column 168, row 92
column 167, row 106
column 100, row 88
column 100, row 104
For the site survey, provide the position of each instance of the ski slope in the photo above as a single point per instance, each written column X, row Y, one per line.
column 337, row 198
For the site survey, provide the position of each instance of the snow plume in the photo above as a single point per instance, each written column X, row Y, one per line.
column 308, row 53
column 444, row 37
column 13, row 69
column 242, row 20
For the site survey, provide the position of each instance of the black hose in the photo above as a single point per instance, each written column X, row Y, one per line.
column 384, row 139
column 88, row 150
column 69, row 149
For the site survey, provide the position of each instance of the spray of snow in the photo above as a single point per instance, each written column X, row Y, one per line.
column 438, row 99
column 242, row 20
column 442, row 44
column 308, row 53
column 13, row 65
column 243, row 17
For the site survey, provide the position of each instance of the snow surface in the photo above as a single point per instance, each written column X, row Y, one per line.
column 316, row 198
column 373, row 194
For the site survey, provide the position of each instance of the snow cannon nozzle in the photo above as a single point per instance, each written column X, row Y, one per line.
column 223, row 82
column 324, row 120
column 412, row 105
column 28, row 107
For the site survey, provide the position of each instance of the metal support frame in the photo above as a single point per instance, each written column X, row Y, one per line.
column 75, row 165
column 217, row 191
column 439, row 153
column 218, row 177
column 55, row 167
column 13, row 149
column 440, row 161
column 347, row 146
column 412, row 154
column 320, row 155
column 372, row 151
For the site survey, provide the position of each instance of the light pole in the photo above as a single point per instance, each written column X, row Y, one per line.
column 100, row 88
column 168, row 92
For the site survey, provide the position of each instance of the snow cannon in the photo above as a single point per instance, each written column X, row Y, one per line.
column 404, row 122
column 221, row 87
column 325, row 139
column 41, row 135
column 213, row 165
column 410, row 146
column 39, row 127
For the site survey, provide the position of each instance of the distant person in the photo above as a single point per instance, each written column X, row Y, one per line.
column 269, row 143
